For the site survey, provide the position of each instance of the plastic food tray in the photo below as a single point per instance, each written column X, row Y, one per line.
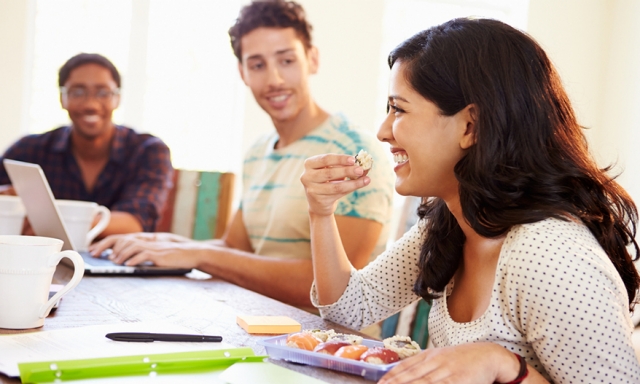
column 277, row 349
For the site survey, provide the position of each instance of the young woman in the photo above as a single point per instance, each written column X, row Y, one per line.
column 523, row 241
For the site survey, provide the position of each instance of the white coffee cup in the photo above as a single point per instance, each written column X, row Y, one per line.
column 78, row 217
column 12, row 214
column 27, row 264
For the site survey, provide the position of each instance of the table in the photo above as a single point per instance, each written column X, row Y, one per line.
column 207, row 304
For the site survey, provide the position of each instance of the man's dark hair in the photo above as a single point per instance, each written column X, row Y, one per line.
column 86, row 58
column 530, row 160
column 270, row 14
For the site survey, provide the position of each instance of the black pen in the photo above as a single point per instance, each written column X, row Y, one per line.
column 149, row 337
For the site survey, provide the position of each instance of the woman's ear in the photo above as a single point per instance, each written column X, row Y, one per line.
column 469, row 116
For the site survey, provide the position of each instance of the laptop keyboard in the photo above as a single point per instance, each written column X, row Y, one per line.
column 102, row 261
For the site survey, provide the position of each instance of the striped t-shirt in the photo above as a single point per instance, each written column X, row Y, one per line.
column 274, row 205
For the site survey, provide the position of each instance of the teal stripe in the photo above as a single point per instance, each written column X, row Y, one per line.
column 279, row 240
column 279, row 157
column 267, row 187
column 353, row 201
column 352, row 213
column 274, row 157
column 322, row 140
column 316, row 139
column 339, row 144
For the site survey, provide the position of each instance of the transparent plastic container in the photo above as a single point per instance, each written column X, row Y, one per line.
column 277, row 349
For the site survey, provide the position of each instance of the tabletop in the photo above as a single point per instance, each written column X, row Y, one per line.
column 199, row 302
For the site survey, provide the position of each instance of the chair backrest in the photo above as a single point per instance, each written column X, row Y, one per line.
column 199, row 205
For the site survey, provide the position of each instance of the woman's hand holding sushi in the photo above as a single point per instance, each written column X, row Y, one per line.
column 326, row 178
column 473, row 363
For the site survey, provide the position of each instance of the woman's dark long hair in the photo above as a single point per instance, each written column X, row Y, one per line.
column 530, row 161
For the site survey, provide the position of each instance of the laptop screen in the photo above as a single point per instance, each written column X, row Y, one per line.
column 31, row 185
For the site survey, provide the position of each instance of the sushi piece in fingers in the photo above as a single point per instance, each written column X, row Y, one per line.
column 364, row 160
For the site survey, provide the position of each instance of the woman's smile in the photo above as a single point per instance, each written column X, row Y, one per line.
column 400, row 157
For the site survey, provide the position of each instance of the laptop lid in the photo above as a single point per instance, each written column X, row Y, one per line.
column 32, row 186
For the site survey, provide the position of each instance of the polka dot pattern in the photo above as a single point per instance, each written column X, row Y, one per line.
column 557, row 300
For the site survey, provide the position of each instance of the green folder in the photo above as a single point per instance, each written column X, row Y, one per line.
column 181, row 362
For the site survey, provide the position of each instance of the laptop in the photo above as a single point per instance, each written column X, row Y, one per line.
column 33, row 188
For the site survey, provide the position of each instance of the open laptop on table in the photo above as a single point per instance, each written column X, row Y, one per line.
column 31, row 185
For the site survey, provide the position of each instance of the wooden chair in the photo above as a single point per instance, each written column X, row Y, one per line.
column 199, row 205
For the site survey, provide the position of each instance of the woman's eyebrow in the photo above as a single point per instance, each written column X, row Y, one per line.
column 396, row 97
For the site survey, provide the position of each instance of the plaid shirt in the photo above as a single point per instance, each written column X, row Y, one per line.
column 136, row 179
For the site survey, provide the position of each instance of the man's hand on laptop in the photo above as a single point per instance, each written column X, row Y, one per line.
column 144, row 236
column 162, row 249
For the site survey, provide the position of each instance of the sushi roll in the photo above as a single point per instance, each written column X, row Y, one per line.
column 379, row 356
column 320, row 334
column 351, row 339
column 302, row 340
column 364, row 160
column 402, row 345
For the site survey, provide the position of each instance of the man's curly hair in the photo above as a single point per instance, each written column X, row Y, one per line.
column 270, row 14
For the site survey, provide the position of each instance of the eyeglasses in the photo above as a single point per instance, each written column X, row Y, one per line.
column 75, row 95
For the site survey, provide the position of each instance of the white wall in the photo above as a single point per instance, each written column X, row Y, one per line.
column 619, row 137
column 575, row 35
column 595, row 45
column 14, row 67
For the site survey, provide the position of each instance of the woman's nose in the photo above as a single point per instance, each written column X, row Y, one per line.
column 385, row 133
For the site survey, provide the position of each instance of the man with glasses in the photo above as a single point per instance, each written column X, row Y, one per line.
column 94, row 159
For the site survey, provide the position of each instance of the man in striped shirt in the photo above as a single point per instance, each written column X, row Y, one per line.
column 266, row 247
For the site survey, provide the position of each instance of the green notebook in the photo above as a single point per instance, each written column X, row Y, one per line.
column 264, row 373
column 180, row 362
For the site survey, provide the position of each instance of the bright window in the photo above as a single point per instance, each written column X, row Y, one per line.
column 194, row 97
column 178, row 71
column 63, row 29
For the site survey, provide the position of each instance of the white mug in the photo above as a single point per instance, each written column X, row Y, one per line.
column 78, row 217
column 12, row 215
column 27, row 264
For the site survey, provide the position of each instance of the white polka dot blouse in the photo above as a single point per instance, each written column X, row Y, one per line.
column 557, row 300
